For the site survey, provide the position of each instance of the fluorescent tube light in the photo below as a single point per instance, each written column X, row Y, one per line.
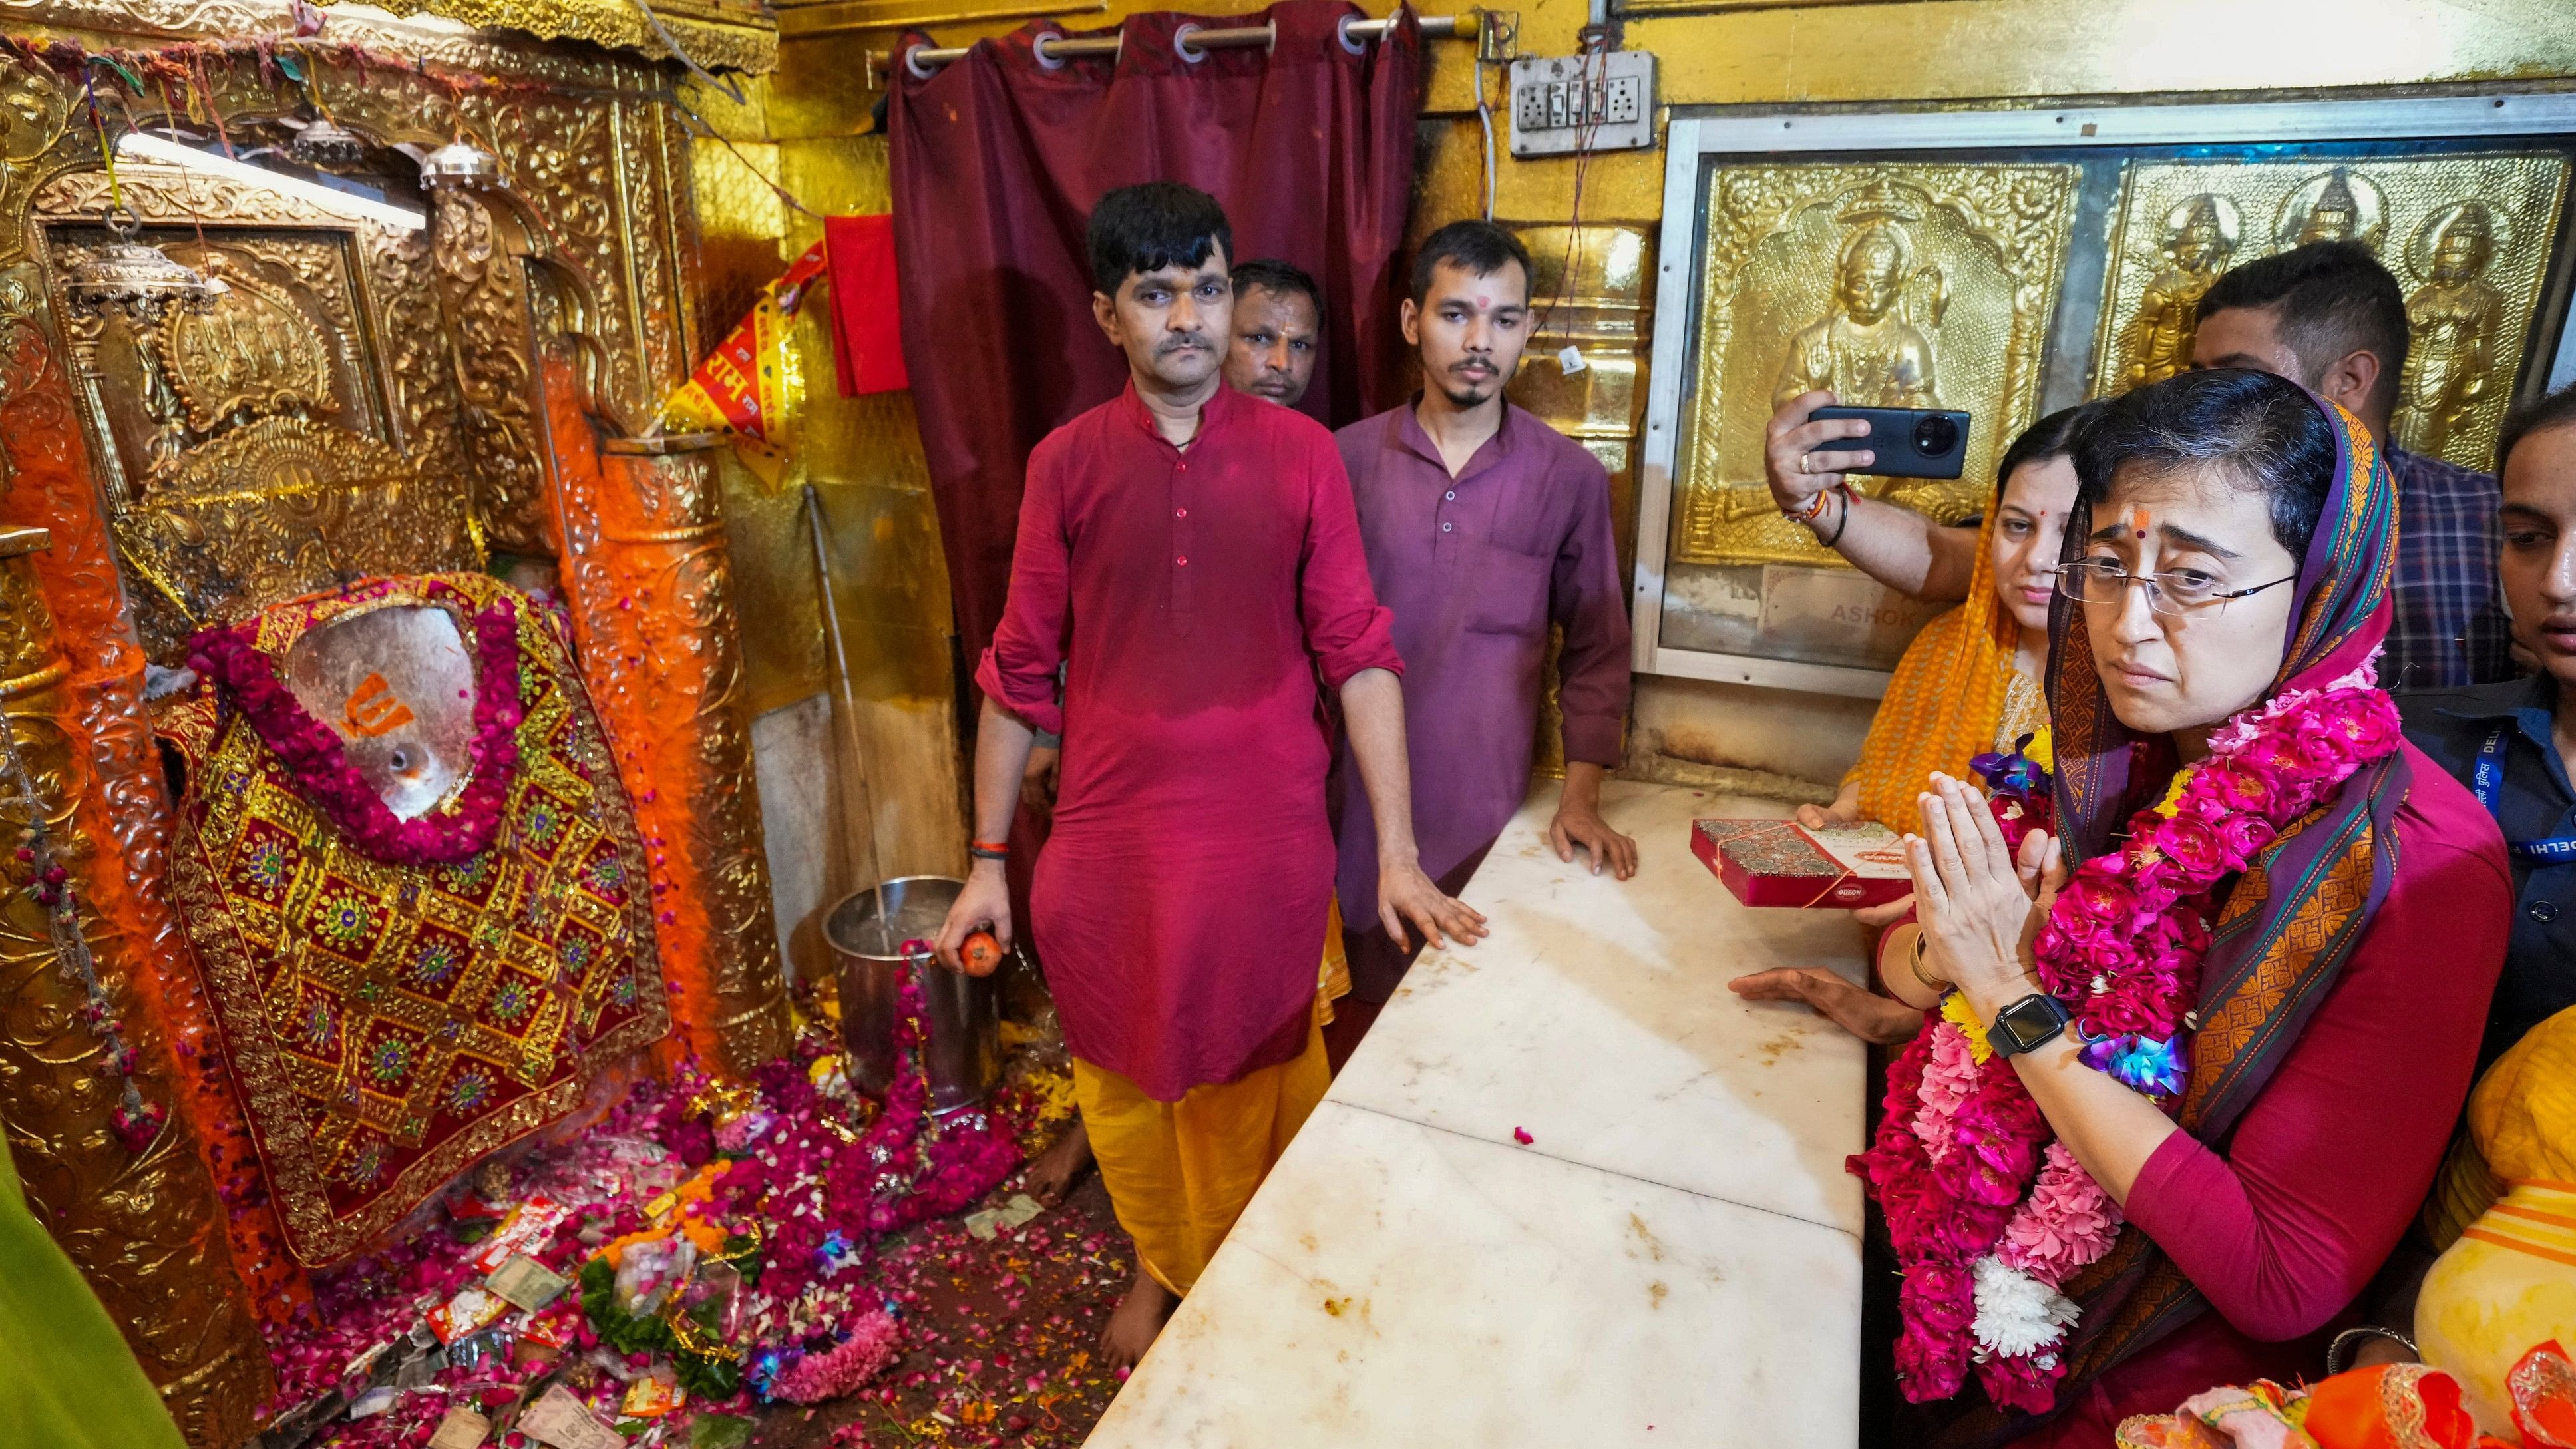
column 136, row 146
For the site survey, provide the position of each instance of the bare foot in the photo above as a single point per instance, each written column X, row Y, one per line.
column 1056, row 1169
column 1136, row 1320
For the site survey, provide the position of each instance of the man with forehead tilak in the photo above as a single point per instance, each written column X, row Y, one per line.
column 1188, row 555
column 1485, row 530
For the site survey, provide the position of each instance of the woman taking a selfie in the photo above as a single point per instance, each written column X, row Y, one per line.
column 1968, row 684
column 2192, row 1073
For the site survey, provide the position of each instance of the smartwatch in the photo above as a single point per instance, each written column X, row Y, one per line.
column 2028, row 1024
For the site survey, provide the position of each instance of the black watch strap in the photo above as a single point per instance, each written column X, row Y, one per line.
column 2028, row 1024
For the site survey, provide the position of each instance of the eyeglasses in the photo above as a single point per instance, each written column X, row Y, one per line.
column 2101, row 581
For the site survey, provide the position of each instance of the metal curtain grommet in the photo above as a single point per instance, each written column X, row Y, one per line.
column 914, row 66
column 1342, row 29
column 1046, row 58
column 1181, row 43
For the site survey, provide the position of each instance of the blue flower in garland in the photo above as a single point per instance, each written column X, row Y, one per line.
column 2140, row 1063
column 766, row 1366
column 834, row 1254
column 2017, row 775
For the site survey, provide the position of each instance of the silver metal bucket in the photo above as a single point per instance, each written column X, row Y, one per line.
column 961, row 1014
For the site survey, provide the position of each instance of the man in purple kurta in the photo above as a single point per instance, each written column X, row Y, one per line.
column 1484, row 528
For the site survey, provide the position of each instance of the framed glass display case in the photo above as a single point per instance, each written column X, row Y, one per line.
column 2007, row 263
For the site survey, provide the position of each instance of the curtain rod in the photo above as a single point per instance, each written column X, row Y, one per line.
column 1191, row 41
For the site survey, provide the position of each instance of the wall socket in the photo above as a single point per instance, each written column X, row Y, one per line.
column 1599, row 102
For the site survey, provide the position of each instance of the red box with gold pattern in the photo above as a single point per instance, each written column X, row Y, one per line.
column 1782, row 863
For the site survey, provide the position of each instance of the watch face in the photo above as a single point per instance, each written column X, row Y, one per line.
column 2031, row 1021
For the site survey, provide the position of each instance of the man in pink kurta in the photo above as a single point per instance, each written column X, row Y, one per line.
column 1191, row 559
column 1193, row 595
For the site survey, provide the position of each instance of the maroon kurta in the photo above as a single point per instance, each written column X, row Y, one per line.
column 1476, row 569
column 1193, row 596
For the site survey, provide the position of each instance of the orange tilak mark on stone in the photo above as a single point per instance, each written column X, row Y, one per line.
column 373, row 710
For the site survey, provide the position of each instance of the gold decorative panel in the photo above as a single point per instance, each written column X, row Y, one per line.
column 248, row 450
column 724, row 34
column 2469, row 237
column 1894, row 285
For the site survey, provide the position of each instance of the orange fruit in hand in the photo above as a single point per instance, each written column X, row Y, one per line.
column 980, row 954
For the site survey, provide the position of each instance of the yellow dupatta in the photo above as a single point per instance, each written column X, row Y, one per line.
column 1945, row 700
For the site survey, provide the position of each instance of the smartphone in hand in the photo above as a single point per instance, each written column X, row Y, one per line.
column 1908, row 442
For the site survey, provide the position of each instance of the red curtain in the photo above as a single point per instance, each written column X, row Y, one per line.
column 997, row 162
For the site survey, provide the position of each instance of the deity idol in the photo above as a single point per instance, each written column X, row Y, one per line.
column 2346, row 208
column 1866, row 351
column 2453, row 318
column 2200, row 234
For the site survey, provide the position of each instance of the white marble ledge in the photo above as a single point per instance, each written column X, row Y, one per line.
column 1394, row 1284
column 1596, row 1018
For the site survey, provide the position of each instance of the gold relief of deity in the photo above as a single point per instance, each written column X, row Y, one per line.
column 2338, row 204
column 2453, row 319
column 2201, row 234
column 2468, row 237
column 1892, row 285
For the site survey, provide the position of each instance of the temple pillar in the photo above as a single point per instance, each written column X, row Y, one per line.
column 650, row 583
column 145, row 1228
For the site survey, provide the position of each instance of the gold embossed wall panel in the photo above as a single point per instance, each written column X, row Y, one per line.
column 1890, row 285
column 2468, row 236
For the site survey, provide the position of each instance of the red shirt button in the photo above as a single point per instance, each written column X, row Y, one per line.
column 1183, row 561
column 1180, row 513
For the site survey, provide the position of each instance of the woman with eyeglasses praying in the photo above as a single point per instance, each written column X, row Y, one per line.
column 2189, row 1066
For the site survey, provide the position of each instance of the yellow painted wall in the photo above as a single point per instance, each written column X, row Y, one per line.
column 807, row 126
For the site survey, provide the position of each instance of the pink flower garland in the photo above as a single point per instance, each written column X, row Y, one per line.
column 313, row 754
column 906, row 1168
column 1984, row 1246
column 843, row 1367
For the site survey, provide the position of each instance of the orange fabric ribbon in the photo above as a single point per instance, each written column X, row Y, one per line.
column 741, row 388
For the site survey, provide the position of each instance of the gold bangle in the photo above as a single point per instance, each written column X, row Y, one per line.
column 1916, row 962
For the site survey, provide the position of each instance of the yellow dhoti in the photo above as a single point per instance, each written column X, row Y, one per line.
column 1179, row 1173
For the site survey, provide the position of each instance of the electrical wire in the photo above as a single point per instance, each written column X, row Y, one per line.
column 701, row 128
column 1485, row 118
column 1584, row 136
column 671, row 43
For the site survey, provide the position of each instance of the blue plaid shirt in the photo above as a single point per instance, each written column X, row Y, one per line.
column 2450, row 629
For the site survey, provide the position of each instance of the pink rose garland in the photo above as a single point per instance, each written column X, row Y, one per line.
column 1988, row 1215
column 314, row 755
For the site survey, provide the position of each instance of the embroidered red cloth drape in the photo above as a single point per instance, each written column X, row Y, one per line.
column 997, row 162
